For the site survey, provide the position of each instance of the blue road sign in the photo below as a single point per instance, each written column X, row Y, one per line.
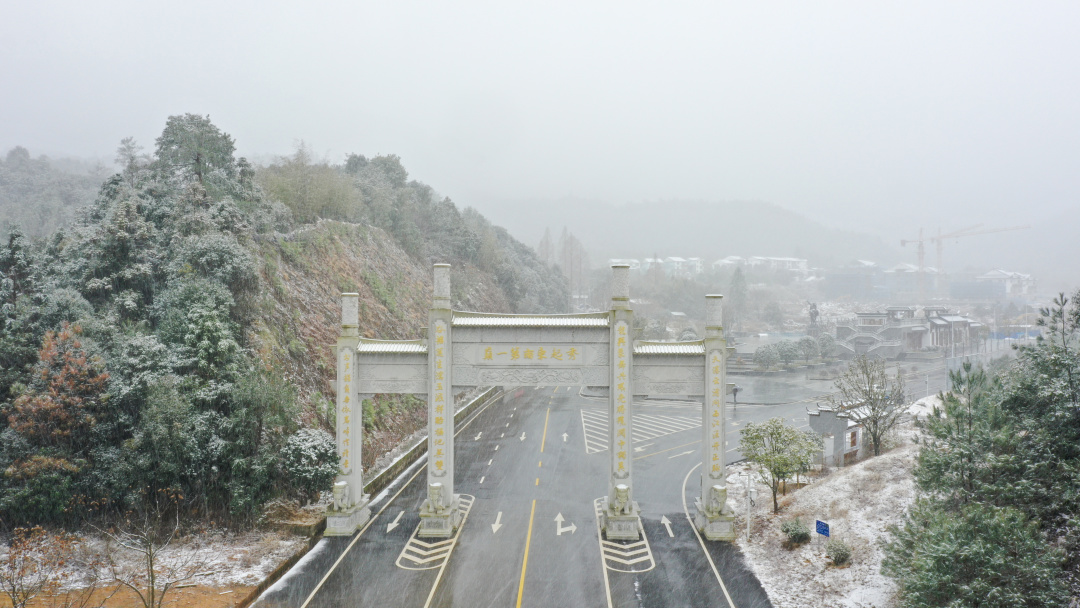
column 822, row 528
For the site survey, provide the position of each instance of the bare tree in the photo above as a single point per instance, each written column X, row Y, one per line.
column 34, row 564
column 870, row 397
column 151, row 533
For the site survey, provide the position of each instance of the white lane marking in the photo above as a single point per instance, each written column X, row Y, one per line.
column 390, row 526
column 680, row 454
column 686, row 510
column 489, row 462
column 385, row 506
column 481, row 479
column 421, row 555
column 496, row 448
column 645, row 427
column 559, row 529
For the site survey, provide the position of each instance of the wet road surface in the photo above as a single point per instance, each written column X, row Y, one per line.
column 531, row 467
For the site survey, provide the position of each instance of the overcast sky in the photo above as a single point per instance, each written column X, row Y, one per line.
column 873, row 115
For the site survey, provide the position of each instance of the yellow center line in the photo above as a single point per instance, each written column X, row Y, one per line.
column 525, row 560
column 668, row 450
column 544, row 438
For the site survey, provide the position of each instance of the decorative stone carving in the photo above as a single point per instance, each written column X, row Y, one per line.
column 622, row 499
column 529, row 376
column 341, row 495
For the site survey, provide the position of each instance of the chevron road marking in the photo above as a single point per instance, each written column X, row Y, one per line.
column 422, row 555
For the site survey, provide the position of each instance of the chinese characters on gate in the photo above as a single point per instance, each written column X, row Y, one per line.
column 440, row 400
column 622, row 358
column 715, row 400
column 345, row 408
column 510, row 353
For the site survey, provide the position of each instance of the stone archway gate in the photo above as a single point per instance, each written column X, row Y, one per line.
column 468, row 349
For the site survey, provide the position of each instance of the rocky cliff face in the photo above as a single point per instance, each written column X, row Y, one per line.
column 304, row 273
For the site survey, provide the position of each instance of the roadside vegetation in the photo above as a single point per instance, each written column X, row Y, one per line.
column 997, row 522
column 172, row 335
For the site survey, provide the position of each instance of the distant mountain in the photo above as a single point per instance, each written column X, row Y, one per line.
column 709, row 230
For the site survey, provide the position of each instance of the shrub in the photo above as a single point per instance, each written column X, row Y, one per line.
column 310, row 462
column 796, row 531
column 838, row 551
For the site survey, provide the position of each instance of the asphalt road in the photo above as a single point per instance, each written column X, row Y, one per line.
column 531, row 467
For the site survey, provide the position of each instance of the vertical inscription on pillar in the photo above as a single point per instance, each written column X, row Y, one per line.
column 441, row 398
column 715, row 405
column 621, row 440
column 345, row 410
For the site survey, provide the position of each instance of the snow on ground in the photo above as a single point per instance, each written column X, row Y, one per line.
column 858, row 502
column 222, row 559
column 924, row 407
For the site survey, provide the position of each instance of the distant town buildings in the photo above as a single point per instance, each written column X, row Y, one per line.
column 899, row 330
column 689, row 267
column 863, row 280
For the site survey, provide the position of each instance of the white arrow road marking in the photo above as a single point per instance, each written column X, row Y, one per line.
column 564, row 437
column 559, row 529
column 641, row 448
column 667, row 524
column 477, row 438
column 522, row 436
column 498, row 523
column 681, row 454
column 390, row 526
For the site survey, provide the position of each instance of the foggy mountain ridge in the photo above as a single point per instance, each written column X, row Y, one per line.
column 683, row 228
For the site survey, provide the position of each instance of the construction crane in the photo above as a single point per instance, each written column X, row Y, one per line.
column 939, row 240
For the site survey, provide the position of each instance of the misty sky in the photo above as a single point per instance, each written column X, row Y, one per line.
column 872, row 115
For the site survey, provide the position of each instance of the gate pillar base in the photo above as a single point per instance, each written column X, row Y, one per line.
column 715, row 519
column 439, row 522
column 622, row 524
column 346, row 521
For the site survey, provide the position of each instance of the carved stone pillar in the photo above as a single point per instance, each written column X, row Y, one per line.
column 714, row 518
column 622, row 519
column 349, row 510
column 439, row 514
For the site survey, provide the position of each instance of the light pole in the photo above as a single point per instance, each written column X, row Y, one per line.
column 751, row 493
